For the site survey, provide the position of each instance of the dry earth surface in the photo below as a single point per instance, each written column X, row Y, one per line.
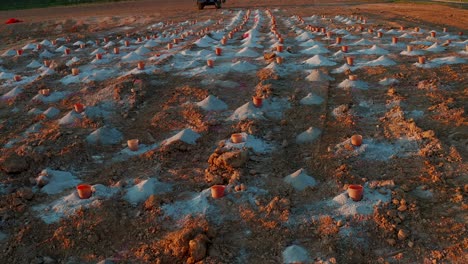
column 412, row 162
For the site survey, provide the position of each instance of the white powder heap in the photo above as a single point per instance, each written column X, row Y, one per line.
column 374, row 50
column 187, row 135
column 380, row 61
column 12, row 93
column 249, row 141
column 212, row 103
column 69, row 119
column 299, row 180
column 51, row 112
column 197, row 205
column 362, row 42
column 58, row 181
column 34, row 64
column 295, row 254
column 448, row 60
column 247, row 52
column 311, row 99
column 318, row 76
column 308, row 136
column 141, row 191
column 388, row 81
column 315, row 50
column 205, row 42
column 105, row 136
column 345, row 206
column 69, row 204
column 435, row 48
column 319, row 60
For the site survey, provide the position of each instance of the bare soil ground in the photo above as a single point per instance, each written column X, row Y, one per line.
column 411, row 228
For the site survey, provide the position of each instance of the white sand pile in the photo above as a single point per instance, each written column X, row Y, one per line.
column 142, row 51
column 271, row 108
column 205, row 42
column 246, row 52
column 224, row 84
column 244, row 66
column 105, row 136
column 345, row 67
column 316, row 49
column 374, row 50
column 69, row 79
column 35, row 111
column 350, row 37
column 72, row 61
column 319, row 60
column 151, row 43
column 34, row 64
column 52, row 98
column 380, row 61
column 12, row 93
column 247, row 111
column 435, row 48
column 69, row 119
column 201, row 54
column 393, row 32
column 362, row 42
column 251, row 44
column 212, row 103
column 9, row 53
column 353, row 84
column 295, row 254
column 305, row 36
column 78, row 43
column 407, row 36
column 382, row 151
column 427, row 65
column 197, row 205
column 109, row 44
column 421, row 42
column 412, row 53
column 299, row 180
column 98, row 51
column 318, row 76
column 58, row 181
column 46, row 43
column 308, row 136
column 46, row 54
column 61, row 49
column 311, row 99
column 277, row 69
column 141, row 191
column 51, row 112
column 448, row 60
column 310, row 43
column 345, row 206
column 6, row 75
column 388, row 81
column 181, row 64
column 126, row 153
column 187, row 135
column 257, row 145
column 47, row 71
column 132, row 57
column 101, row 74
column 68, row 205
column 106, row 59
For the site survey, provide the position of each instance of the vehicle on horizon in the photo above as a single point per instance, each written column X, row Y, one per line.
column 202, row 3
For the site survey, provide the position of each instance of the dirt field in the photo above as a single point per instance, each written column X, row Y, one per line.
column 286, row 197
